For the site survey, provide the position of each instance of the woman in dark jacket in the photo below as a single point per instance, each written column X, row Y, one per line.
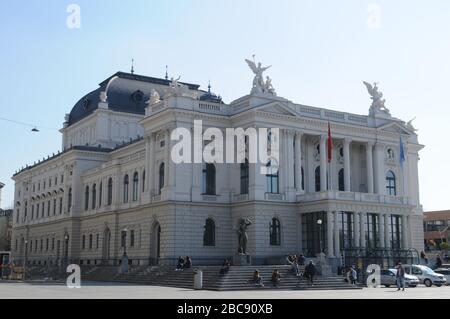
column 310, row 271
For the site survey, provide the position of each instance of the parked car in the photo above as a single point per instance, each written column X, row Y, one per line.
column 426, row 275
column 445, row 272
column 388, row 278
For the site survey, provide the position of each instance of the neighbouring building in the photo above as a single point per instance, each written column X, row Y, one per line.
column 1, row 186
column 5, row 229
column 114, row 187
column 436, row 226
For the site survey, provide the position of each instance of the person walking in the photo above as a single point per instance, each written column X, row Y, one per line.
column 438, row 262
column 400, row 276
column 353, row 275
column 310, row 271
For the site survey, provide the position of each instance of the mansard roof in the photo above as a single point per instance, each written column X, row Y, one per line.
column 129, row 95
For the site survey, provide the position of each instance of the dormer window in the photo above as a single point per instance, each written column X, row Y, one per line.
column 137, row 96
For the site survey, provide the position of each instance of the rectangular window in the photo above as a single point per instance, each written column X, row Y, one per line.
column 123, row 238
column 46, row 244
column 97, row 241
column 83, row 242
column 48, row 208
column 32, row 212
column 60, row 205
column 346, row 229
column 132, row 238
column 53, row 243
column 90, row 241
column 54, row 207
column 396, row 231
column 42, row 244
column 372, row 231
column 43, row 209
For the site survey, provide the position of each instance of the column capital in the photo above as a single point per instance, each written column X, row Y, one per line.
column 370, row 143
column 347, row 141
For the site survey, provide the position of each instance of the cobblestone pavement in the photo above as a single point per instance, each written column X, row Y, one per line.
column 93, row 290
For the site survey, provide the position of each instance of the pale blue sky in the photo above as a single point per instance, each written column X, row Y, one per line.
column 320, row 52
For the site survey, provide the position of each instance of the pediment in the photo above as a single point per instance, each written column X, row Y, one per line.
column 277, row 108
column 395, row 127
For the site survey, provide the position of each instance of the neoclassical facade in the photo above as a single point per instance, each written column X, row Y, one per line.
column 114, row 188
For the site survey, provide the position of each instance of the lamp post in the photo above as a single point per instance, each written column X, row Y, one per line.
column 26, row 260
column 66, row 249
column 319, row 223
column 124, row 263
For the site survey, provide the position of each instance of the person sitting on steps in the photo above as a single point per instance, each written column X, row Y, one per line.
column 188, row 263
column 225, row 267
column 180, row 264
column 257, row 279
column 276, row 277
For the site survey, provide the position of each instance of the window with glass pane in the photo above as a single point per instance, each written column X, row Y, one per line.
column 275, row 232
column 272, row 178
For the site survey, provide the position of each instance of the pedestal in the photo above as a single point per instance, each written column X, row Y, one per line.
column 242, row 260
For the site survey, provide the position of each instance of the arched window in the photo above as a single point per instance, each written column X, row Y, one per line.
column 209, row 236
column 110, row 189
column 143, row 181
column 126, row 183
column 100, row 193
column 135, row 186
column 275, row 232
column 391, row 187
column 209, row 179
column 69, row 201
column 86, row 198
column 244, row 177
column 272, row 178
column 161, row 177
column 317, row 178
column 94, row 196
column 341, row 180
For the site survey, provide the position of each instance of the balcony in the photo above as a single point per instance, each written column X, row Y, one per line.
column 353, row 197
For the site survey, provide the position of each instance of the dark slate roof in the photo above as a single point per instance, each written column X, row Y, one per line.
column 88, row 148
column 125, row 96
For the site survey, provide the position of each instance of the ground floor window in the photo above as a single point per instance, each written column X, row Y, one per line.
column 396, row 231
column 372, row 231
column 346, row 229
column 314, row 233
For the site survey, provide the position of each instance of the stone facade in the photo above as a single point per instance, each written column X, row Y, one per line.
column 107, row 191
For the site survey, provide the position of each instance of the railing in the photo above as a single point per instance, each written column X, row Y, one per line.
column 353, row 196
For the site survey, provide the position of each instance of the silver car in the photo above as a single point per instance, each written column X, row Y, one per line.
column 389, row 278
column 445, row 272
column 426, row 275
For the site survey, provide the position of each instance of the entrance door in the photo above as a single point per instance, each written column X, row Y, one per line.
column 155, row 244
column 106, row 245
column 314, row 233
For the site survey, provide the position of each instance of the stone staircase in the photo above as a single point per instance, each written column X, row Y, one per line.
column 237, row 278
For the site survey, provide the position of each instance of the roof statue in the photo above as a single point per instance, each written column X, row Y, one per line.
column 154, row 97
column 259, row 86
column 377, row 106
column 410, row 125
column 179, row 89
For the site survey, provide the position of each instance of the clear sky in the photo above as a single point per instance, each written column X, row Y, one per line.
column 320, row 52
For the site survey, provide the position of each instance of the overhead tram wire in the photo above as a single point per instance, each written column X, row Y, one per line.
column 35, row 128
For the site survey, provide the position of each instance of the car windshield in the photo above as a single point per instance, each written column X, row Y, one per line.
column 426, row 270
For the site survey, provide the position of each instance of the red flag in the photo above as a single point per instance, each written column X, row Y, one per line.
column 330, row 144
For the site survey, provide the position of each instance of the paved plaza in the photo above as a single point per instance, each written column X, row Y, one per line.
column 95, row 290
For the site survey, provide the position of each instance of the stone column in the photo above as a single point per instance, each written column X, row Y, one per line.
column 369, row 164
column 147, row 162
column 298, row 162
column 363, row 229
column 337, row 244
column 323, row 163
column 379, row 177
column 289, row 153
column 347, row 180
column 300, row 233
column 404, row 232
column 381, row 229
column 166, row 158
column 357, row 229
column 151, row 176
column 330, row 235
column 386, row 231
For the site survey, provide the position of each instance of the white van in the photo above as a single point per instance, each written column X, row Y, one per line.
column 426, row 275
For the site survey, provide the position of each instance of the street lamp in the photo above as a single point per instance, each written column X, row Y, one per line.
column 26, row 260
column 319, row 223
column 124, row 262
